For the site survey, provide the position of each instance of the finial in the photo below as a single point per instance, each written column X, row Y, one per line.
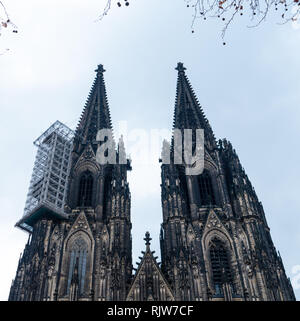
column 180, row 67
column 100, row 69
column 147, row 238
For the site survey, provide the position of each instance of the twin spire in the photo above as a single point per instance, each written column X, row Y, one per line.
column 187, row 114
column 96, row 114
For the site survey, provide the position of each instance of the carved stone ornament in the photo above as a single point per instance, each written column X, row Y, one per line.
column 213, row 221
column 88, row 153
column 81, row 224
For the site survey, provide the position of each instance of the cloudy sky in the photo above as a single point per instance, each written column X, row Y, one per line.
column 249, row 90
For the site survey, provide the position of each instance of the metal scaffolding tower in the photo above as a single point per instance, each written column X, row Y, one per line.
column 49, row 182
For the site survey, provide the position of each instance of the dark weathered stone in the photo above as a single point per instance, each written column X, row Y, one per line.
column 215, row 241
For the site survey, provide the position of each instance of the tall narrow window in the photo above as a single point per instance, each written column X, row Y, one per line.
column 77, row 266
column 206, row 189
column 85, row 189
column 221, row 271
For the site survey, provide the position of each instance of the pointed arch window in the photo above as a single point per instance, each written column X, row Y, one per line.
column 77, row 268
column 207, row 195
column 85, row 193
column 221, row 270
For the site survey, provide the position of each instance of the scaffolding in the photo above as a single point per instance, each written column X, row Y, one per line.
column 49, row 181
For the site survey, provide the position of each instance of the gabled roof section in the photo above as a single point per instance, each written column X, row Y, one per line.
column 188, row 113
column 81, row 224
column 149, row 284
column 96, row 114
column 88, row 156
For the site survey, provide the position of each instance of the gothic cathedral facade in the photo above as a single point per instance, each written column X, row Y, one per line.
column 215, row 241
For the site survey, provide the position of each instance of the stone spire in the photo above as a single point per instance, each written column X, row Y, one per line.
column 96, row 114
column 188, row 113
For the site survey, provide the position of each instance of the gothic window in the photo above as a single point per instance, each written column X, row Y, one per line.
column 182, row 182
column 106, row 196
column 77, row 267
column 206, row 189
column 221, row 271
column 85, row 189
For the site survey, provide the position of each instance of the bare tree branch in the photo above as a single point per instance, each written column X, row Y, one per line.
column 5, row 21
column 108, row 7
column 227, row 10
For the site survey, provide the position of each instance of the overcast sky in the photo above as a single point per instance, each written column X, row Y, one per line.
column 249, row 90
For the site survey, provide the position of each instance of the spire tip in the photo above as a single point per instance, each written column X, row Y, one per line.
column 147, row 238
column 100, row 69
column 180, row 67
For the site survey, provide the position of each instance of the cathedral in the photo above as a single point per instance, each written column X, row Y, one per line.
column 215, row 241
